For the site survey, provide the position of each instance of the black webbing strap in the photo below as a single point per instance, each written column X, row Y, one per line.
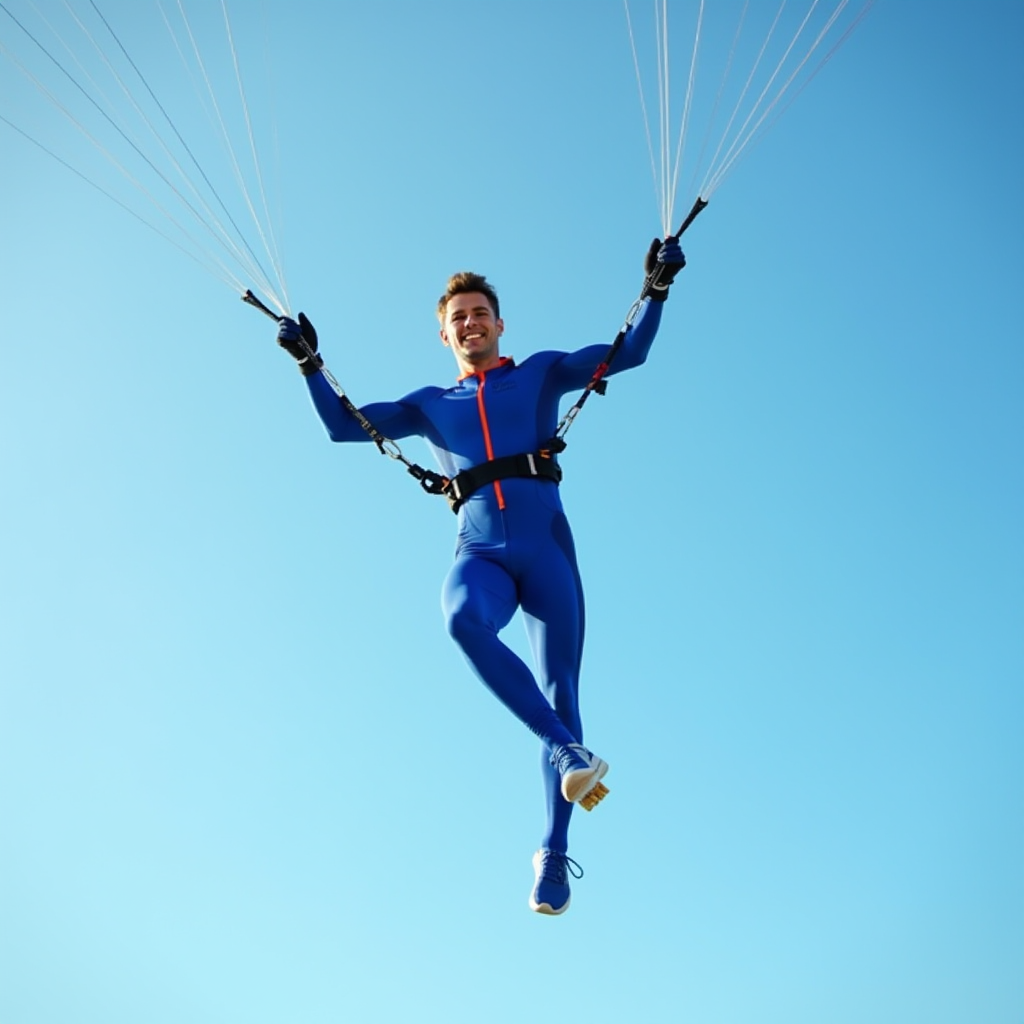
column 540, row 465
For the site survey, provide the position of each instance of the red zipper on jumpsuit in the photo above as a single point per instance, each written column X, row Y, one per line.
column 488, row 448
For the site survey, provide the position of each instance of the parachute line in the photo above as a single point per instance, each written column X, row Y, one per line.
column 781, row 65
column 109, row 195
column 229, row 148
column 712, row 120
column 643, row 104
column 744, row 136
column 219, row 231
column 91, row 138
column 254, row 268
column 687, row 107
column 269, row 244
column 705, row 186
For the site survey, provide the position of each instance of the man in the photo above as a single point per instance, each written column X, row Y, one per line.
column 515, row 548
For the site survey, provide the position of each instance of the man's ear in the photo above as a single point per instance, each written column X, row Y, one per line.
column 500, row 324
column 444, row 338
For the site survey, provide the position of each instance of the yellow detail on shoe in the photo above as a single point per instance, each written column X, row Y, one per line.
column 594, row 797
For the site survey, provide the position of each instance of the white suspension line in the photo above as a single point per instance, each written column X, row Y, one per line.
column 661, row 44
column 719, row 175
column 868, row 4
column 225, row 135
column 211, row 221
column 247, row 259
column 53, row 99
column 713, row 116
column 687, row 105
column 208, row 220
column 224, row 274
column 269, row 245
column 224, row 277
column 705, row 185
column 70, row 52
column 643, row 104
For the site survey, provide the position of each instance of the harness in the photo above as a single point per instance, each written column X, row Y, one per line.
column 541, row 464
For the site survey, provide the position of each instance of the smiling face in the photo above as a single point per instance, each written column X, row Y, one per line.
column 471, row 330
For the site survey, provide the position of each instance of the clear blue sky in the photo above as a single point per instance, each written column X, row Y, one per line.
column 244, row 774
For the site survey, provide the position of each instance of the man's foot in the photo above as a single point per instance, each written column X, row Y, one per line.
column 581, row 773
column 551, row 890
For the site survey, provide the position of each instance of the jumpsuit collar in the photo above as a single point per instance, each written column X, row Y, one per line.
column 505, row 362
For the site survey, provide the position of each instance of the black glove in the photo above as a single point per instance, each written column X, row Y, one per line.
column 299, row 340
column 661, row 264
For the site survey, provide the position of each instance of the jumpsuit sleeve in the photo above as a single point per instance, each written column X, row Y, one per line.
column 575, row 369
column 403, row 418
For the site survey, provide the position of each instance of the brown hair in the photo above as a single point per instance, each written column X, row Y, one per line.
column 463, row 282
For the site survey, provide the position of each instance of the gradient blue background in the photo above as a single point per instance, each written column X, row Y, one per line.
column 245, row 776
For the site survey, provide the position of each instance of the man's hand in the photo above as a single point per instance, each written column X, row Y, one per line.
column 661, row 264
column 292, row 334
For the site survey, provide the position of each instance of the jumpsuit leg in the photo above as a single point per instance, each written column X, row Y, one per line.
column 479, row 598
column 552, row 601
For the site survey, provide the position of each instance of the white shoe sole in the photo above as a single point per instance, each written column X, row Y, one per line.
column 583, row 786
column 546, row 908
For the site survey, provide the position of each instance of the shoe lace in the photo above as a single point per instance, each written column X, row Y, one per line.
column 555, row 865
column 565, row 758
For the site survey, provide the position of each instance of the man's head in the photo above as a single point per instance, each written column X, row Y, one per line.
column 470, row 322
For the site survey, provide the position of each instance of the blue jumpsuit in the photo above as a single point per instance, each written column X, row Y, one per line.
column 514, row 547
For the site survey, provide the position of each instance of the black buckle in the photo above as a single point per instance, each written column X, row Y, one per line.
column 431, row 482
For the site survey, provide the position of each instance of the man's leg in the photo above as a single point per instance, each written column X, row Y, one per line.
column 552, row 600
column 479, row 599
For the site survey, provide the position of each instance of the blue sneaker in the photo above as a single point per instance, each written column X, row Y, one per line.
column 581, row 773
column 551, row 890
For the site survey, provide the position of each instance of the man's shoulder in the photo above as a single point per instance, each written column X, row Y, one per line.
column 423, row 396
column 542, row 359
column 548, row 355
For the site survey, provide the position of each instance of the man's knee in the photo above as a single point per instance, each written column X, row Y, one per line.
column 457, row 622
column 465, row 622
